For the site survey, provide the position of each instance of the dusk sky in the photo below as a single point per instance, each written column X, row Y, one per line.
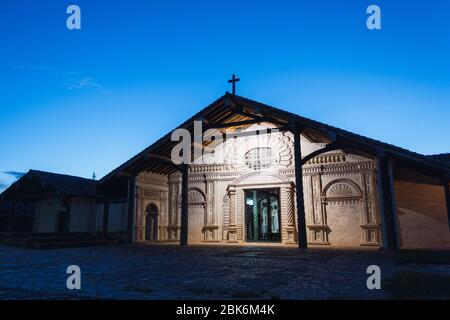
column 84, row 101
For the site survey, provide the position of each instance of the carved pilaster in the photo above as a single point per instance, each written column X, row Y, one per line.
column 291, row 231
column 232, row 228
column 318, row 225
column 210, row 229
column 163, row 221
column 209, row 219
column 140, row 212
column 173, row 228
column 131, row 205
column 370, row 223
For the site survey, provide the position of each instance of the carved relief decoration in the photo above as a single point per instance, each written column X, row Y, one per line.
column 280, row 144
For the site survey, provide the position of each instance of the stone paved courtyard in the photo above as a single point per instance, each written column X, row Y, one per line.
column 210, row 272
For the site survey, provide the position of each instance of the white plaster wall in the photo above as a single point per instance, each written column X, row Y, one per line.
column 117, row 217
column 99, row 217
column 47, row 214
column 80, row 215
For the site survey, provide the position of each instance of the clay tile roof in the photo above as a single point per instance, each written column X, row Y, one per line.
column 65, row 183
column 443, row 157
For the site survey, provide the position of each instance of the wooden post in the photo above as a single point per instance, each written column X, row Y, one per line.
column 388, row 204
column 184, row 205
column 105, row 218
column 301, row 220
column 130, row 221
column 12, row 214
column 447, row 198
column 68, row 214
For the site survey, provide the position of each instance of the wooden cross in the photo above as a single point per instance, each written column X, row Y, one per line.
column 233, row 82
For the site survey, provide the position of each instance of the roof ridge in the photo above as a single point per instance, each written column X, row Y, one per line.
column 439, row 154
column 124, row 164
column 236, row 99
column 356, row 135
column 59, row 174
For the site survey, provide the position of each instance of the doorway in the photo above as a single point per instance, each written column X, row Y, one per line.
column 262, row 212
column 151, row 223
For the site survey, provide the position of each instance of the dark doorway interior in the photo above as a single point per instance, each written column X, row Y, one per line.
column 151, row 223
column 262, row 212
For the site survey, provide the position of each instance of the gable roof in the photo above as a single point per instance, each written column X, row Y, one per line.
column 225, row 109
column 66, row 183
column 63, row 183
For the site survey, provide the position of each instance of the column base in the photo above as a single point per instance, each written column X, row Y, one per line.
column 231, row 235
column 291, row 235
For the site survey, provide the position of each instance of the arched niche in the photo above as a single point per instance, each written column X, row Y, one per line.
column 342, row 189
column 151, row 222
column 197, row 215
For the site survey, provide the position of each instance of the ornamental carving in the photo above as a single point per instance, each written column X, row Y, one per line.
column 238, row 154
column 342, row 189
column 196, row 197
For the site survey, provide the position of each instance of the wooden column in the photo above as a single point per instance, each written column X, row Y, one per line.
column 130, row 203
column 388, row 204
column 447, row 198
column 12, row 214
column 68, row 214
column 301, row 220
column 184, row 205
column 105, row 218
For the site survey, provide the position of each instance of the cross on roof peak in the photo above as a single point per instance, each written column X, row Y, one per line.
column 233, row 81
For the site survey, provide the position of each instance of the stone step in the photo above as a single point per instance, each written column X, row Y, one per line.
column 50, row 240
column 74, row 244
column 43, row 235
column 54, row 243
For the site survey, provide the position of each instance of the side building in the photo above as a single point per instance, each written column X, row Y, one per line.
column 46, row 203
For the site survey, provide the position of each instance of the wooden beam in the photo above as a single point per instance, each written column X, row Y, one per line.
column 105, row 218
column 447, row 198
column 301, row 219
column 254, row 132
column 184, row 205
column 388, row 204
column 236, row 123
column 161, row 158
column 256, row 117
column 131, row 206
column 150, row 163
column 12, row 214
column 68, row 214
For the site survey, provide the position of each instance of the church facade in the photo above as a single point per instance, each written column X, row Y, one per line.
column 355, row 191
column 282, row 179
column 251, row 197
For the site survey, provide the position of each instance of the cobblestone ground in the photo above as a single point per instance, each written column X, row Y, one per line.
column 170, row 272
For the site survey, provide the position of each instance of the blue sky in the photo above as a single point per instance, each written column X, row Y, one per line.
column 87, row 100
